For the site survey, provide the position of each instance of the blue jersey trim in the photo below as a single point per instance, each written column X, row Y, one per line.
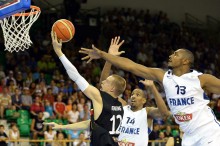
column 205, row 96
column 215, row 117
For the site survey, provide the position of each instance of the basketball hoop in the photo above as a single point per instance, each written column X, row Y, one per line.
column 16, row 29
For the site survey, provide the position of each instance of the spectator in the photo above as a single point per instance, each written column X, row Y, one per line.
column 55, row 89
column 81, row 105
column 37, row 127
column 14, row 134
column 168, row 131
column 19, row 80
column 3, row 136
column 70, row 87
column 32, row 88
column 42, row 87
column 49, row 134
column 60, row 136
column 63, row 87
column 16, row 99
column 73, row 134
column 49, row 109
column 162, row 138
column 73, row 115
column 81, row 141
column 5, row 101
column 10, row 78
column 86, row 113
column 59, row 106
column 69, row 105
column 11, row 87
column 155, row 133
column 36, row 107
column 28, row 80
column 26, row 99
column 49, row 96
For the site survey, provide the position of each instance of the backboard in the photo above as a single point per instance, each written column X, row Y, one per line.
column 10, row 7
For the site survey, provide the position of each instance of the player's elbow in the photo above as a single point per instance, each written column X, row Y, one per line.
column 167, row 114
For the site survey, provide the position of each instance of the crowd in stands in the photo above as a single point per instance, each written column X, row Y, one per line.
column 34, row 80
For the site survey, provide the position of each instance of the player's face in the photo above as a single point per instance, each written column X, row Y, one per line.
column 176, row 59
column 106, row 85
column 137, row 99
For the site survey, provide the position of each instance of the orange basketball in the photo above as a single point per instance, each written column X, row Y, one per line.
column 64, row 29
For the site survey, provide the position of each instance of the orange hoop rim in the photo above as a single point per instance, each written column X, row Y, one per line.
column 37, row 10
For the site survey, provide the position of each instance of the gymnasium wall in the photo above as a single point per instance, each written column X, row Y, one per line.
column 174, row 8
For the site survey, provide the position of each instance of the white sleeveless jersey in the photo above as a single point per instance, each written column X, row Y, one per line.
column 133, row 128
column 187, row 101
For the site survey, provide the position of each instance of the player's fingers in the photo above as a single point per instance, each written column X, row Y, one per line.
column 121, row 52
column 55, row 37
column 83, row 52
column 89, row 60
column 117, row 40
column 50, row 123
column 112, row 41
column 55, row 128
column 51, row 33
column 85, row 49
column 60, row 41
column 93, row 47
column 122, row 42
column 84, row 58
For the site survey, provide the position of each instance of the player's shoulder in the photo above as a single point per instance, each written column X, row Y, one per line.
column 196, row 72
column 149, row 109
column 122, row 101
column 204, row 78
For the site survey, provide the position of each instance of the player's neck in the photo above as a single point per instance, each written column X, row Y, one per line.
column 112, row 94
column 134, row 108
column 181, row 71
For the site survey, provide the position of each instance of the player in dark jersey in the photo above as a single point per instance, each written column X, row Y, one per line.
column 108, row 110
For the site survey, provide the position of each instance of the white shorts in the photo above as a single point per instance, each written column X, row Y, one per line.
column 207, row 135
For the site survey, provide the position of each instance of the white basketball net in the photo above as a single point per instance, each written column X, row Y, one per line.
column 16, row 30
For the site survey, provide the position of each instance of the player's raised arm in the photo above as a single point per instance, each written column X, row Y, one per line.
column 125, row 64
column 161, row 109
column 90, row 91
column 114, row 50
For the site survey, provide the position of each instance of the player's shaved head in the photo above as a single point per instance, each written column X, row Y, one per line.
column 188, row 55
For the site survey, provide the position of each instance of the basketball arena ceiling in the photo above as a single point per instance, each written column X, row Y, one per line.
column 47, row 4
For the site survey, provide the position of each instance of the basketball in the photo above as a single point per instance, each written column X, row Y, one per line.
column 64, row 29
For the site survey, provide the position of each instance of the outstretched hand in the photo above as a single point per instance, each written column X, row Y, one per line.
column 94, row 52
column 54, row 125
column 115, row 45
column 57, row 44
column 147, row 83
column 91, row 53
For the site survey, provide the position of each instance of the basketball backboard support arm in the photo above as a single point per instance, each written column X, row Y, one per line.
column 10, row 7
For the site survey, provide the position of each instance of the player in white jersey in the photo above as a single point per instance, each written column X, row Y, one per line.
column 134, row 125
column 184, row 91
